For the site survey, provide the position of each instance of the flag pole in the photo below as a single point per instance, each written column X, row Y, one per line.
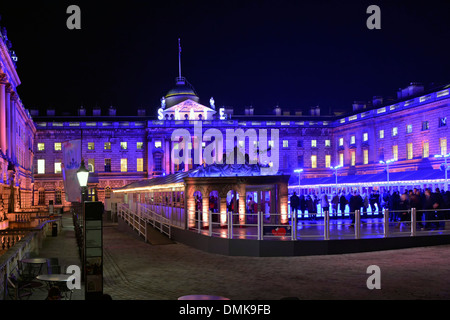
column 179, row 58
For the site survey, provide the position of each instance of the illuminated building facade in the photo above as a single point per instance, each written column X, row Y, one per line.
column 17, row 132
column 120, row 150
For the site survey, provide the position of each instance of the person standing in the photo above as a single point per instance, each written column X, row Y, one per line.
column 324, row 203
column 334, row 204
column 295, row 204
column 355, row 203
column 342, row 203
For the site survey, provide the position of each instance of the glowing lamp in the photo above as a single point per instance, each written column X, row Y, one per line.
column 83, row 174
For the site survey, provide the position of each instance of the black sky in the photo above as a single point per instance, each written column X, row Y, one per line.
column 297, row 54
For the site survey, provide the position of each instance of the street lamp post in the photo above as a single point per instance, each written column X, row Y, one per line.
column 446, row 167
column 299, row 171
column 335, row 173
column 387, row 162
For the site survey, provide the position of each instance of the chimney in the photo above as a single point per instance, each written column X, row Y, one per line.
column 96, row 111
column 277, row 111
column 82, row 111
column 413, row 89
column 377, row 101
column 112, row 111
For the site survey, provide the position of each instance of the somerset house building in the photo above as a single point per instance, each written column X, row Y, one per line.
column 388, row 143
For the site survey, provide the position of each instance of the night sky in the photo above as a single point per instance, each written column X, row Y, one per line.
column 297, row 54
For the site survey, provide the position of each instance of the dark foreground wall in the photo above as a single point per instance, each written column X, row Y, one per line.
column 275, row 248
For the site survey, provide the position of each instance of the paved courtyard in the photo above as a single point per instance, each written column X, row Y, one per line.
column 134, row 270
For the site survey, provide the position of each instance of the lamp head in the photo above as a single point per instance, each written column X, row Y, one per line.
column 83, row 174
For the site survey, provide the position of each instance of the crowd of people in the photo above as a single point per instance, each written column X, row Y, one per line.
column 428, row 204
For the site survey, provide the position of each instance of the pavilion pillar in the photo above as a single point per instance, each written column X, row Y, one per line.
column 283, row 202
column 223, row 209
column 273, row 204
column 205, row 209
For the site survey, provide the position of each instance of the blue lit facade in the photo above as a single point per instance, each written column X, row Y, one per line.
column 124, row 149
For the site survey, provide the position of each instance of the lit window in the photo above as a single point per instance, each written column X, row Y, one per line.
column 341, row 159
column 91, row 165
column 41, row 166
column 314, row 143
column 313, row 161
column 91, row 146
column 241, row 144
column 352, row 140
column 123, row 165
column 158, row 144
column 327, row 161
column 426, row 150
column 140, row 145
column 327, row 143
column 443, row 145
column 395, row 152
column 366, row 156
column 41, row 146
column 57, row 166
column 365, row 136
column 285, row 144
column 57, row 146
column 425, row 125
column 341, row 142
column 353, row 158
column 409, row 150
column 271, row 144
column 381, row 134
column 107, row 145
column 140, row 164
column 394, row 131
column 123, row 145
column 409, row 128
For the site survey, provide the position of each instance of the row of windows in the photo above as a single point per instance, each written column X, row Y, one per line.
column 409, row 154
column 91, row 165
column 91, row 146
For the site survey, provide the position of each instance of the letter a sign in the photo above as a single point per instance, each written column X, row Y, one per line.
column 374, row 280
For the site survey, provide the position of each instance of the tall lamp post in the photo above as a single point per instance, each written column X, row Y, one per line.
column 335, row 173
column 387, row 162
column 446, row 167
column 299, row 171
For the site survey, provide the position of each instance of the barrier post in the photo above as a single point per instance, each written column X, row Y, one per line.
column 210, row 223
column 386, row 223
column 357, row 224
column 413, row 222
column 326, row 226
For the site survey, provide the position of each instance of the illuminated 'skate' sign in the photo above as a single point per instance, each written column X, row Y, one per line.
column 191, row 114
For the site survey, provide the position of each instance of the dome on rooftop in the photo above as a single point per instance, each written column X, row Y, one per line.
column 182, row 92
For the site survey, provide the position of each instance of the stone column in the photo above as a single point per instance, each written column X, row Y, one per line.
column 9, row 121
column 3, row 145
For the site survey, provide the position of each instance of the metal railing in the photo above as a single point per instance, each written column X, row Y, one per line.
column 139, row 220
column 275, row 226
column 261, row 226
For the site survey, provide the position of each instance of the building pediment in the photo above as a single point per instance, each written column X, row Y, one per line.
column 187, row 110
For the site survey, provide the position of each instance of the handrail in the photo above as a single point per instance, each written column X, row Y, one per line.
column 265, row 226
